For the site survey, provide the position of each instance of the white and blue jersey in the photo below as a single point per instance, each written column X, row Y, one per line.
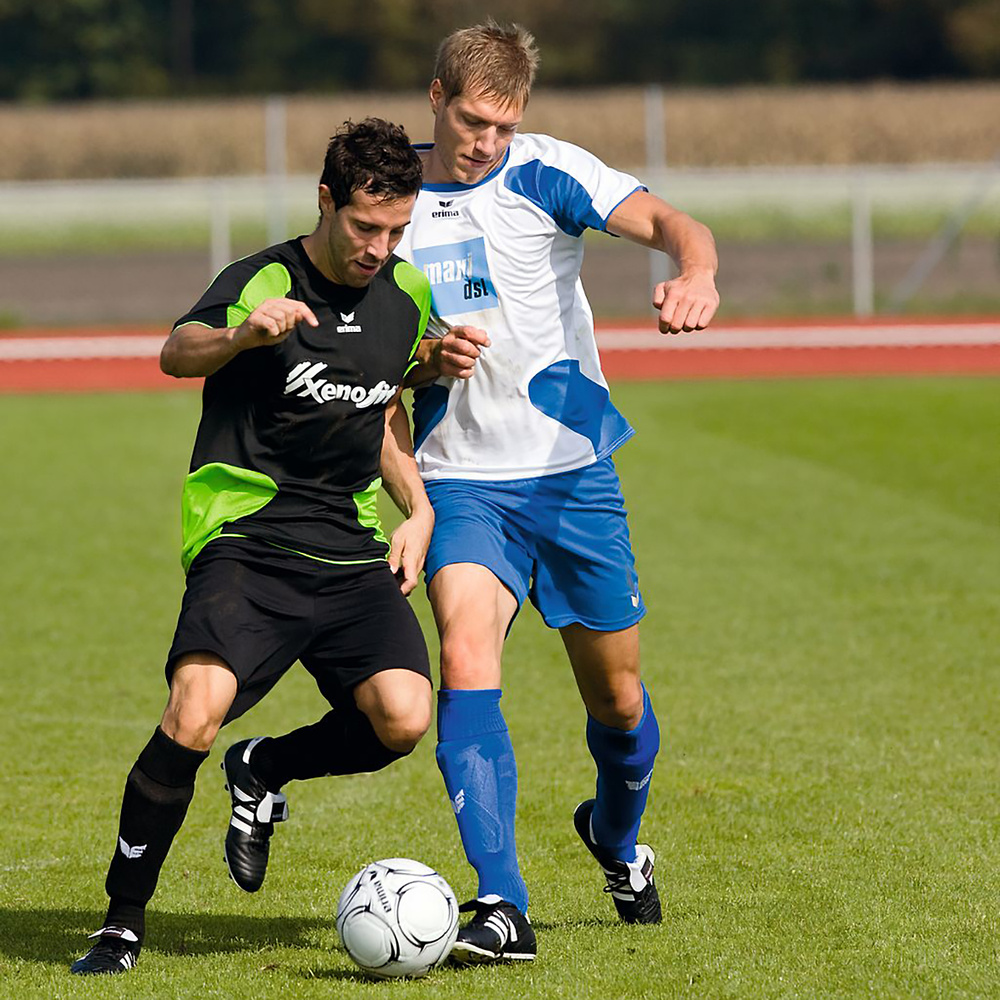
column 504, row 255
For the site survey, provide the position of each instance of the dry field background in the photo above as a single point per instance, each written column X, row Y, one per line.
column 732, row 127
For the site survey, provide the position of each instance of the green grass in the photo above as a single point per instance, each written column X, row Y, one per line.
column 821, row 561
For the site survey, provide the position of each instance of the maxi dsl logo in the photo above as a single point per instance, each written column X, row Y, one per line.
column 459, row 274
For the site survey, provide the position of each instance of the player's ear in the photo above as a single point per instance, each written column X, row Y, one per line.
column 436, row 94
column 326, row 204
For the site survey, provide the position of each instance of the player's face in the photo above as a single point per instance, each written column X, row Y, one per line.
column 358, row 238
column 471, row 134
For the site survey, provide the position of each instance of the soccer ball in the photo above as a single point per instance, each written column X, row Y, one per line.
column 397, row 918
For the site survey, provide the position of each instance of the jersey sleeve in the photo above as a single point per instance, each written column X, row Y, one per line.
column 573, row 186
column 236, row 291
column 414, row 282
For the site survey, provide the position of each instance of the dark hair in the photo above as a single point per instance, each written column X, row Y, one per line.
column 374, row 156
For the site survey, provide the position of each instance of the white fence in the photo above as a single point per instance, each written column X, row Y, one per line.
column 207, row 215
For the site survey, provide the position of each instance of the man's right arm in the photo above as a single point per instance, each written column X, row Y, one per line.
column 194, row 351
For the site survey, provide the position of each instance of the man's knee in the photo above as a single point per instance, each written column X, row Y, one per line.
column 468, row 660
column 202, row 690
column 398, row 706
column 402, row 733
column 619, row 706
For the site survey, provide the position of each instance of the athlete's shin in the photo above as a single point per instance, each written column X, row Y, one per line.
column 476, row 759
column 157, row 793
column 624, row 761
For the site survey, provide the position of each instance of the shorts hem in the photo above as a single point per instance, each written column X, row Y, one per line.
column 422, row 671
column 177, row 652
column 561, row 621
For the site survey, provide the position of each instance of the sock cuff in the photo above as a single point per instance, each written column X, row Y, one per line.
column 165, row 761
column 624, row 740
column 463, row 714
column 127, row 913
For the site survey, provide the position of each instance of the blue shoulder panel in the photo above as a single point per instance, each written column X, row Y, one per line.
column 556, row 193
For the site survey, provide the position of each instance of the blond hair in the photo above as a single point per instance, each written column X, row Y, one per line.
column 498, row 61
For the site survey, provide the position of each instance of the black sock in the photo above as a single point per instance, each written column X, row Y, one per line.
column 342, row 742
column 157, row 793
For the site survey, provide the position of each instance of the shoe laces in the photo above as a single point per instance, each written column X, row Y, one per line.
column 619, row 880
column 619, row 874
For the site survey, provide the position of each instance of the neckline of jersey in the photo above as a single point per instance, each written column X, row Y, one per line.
column 346, row 291
column 455, row 185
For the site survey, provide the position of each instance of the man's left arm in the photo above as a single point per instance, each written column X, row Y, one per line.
column 689, row 301
column 408, row 547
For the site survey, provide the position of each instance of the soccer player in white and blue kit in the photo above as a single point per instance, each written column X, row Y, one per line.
column 514, row 438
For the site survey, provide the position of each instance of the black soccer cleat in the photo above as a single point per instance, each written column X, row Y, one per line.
column 631, row 886
column 499, row 932
column 255, row 811
column 117, row 950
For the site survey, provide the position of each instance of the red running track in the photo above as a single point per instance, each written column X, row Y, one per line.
column 104, row 359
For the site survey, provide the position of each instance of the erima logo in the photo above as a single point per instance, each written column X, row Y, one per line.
column 348, row 325
column 132, row 853
column 458, row 802
column 635, row 600
column 638, row 786
column 302, row 380
column 445, row 214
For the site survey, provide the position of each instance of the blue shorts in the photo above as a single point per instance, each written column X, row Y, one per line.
column 560, row 540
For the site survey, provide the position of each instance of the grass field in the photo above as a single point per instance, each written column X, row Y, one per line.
column 821, row 560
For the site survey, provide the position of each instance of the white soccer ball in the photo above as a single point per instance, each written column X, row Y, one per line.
column 397, row 918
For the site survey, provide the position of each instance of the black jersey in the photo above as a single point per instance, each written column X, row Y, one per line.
column 290, row 438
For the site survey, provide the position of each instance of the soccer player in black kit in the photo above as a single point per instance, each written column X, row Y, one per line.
column 304, row 347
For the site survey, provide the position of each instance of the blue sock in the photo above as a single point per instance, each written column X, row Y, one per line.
column 624, row 761
column 476, row 758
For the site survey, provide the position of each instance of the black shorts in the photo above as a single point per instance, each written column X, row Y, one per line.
column 260, row 609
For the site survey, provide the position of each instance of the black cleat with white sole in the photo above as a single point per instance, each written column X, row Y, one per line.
column 499, row 932
column 117, row 950
column 255, row 811
column 631, row 885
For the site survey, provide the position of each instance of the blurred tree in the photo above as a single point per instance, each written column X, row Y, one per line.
column 82, row 48
column 58, row 49
column 974, row 30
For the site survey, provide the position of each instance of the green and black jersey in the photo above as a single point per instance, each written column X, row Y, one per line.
column 290, row 438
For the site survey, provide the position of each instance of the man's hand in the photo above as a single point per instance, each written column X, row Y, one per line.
column 687, row 303
column 456, row 353
column 408, row 548
column 271, row 323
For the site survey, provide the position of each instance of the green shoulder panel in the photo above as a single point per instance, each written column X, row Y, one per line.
column 213, row 496
column 271, row 282
column 414, row 282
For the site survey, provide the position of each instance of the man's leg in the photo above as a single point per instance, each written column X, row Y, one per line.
column 473, row 610
column 391, row 712
column 623, row 737
column 158, row 791
column 368, row 656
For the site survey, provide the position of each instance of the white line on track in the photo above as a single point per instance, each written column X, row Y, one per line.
column 609, row 338
column 78, row 348
column 729, row 338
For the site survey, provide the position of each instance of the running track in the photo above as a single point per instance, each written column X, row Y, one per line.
column 125, row 359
